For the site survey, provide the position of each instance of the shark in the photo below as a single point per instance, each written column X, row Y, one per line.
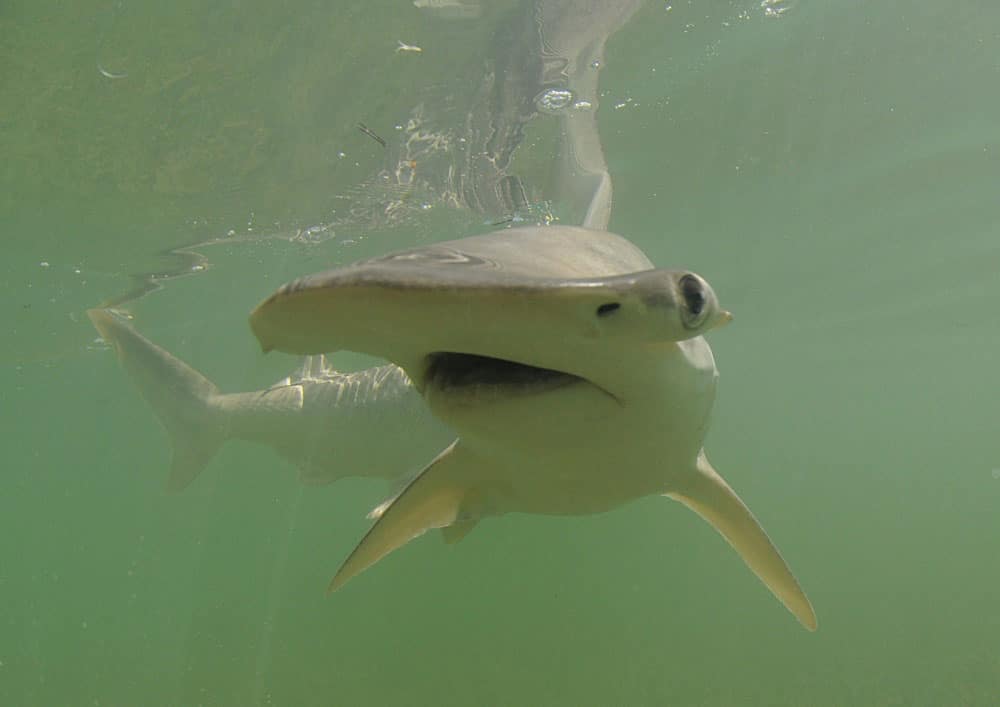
column 576, row 374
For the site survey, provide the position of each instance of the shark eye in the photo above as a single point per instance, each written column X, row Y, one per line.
column 693, row 291
column 607, row 308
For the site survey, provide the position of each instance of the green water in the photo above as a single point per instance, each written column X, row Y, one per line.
column 833, row 173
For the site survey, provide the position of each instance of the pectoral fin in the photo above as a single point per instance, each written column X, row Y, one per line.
column 457, row 530
column 708, row 495
column 435, row 498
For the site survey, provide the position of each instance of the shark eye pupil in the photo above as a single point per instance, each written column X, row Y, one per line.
column 607, row 308
column 694, row 297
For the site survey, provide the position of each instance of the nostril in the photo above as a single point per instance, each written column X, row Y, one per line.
column 607, row 308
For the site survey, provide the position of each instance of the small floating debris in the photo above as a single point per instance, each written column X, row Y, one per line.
column 370, row 133
column 404, row 47
column 111, row 74
column 452, row 9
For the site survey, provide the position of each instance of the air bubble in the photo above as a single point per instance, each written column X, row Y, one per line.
column 553, row 100
column 314, row 234
column 774, row 9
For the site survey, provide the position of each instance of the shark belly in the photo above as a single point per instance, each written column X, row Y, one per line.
column 575, row 450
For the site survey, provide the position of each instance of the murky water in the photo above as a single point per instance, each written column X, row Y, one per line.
column 831, row 168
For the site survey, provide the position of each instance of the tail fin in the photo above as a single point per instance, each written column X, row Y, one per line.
column 179, row 395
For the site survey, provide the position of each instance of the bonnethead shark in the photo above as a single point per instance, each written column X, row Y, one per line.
column 575, row 373
column 579, row 381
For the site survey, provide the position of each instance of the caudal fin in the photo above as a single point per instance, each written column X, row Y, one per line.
column 180, row 396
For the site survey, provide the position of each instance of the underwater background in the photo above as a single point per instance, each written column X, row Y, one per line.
column 831, row 168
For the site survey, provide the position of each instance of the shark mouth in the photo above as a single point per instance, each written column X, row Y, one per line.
column 456, row 372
